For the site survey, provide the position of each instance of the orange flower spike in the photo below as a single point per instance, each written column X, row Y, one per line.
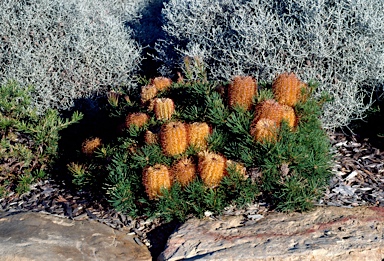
column 198, row 134
column 155, row 178
column 148, row 92
column 161, row 83
column 89, row 146
column 288, row 114
column 174, row 138
column 212, row 168
column 265, row 130
column 270, row 109
column 287, row 89
column 184, row 171
column 241, row 91
column 138, row 119
column 164, row 108
column 151, row 138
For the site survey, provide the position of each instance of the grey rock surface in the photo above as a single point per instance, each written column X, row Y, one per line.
column 35, row 236
column 328, row 233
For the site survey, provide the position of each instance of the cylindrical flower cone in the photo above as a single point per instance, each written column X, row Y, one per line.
column 155, row 178
column 164, row 108
column 151, row 138
column 198, row 134
column 211, row 168
column 184, row 171
column 148, row 92
column 288, row 89
column 265, row 130
column 174, row 138
column 242, row 91
column 138, row 119
column 161, row 83
column 270, row 109
column 89, row 146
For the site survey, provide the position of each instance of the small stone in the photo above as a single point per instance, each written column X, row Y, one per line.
column 208, row 213
column 255, row 217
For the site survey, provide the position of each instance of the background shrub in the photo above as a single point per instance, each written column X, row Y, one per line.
column 28, row 141
column 67, row 49
column 339, row 43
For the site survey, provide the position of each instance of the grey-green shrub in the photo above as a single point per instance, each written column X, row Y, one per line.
column 339, row 43
column 67, row 49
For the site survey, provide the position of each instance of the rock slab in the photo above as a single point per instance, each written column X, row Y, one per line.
column 35, row 236
column 328, row 233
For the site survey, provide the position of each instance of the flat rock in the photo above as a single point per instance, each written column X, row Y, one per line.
column 326, row 233
column 35, row 236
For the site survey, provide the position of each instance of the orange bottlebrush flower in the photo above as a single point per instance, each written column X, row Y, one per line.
column 161, row 83
column 164, row 108
column 148, row 92
column 90, row 145
column 288, row 89
column 151, row 138
column 211, row 168
column 155, row 178
column 138, row 119
column 265, row 130
column 237, row 167
column 198, row 134
column 241, row 91
column 184, row 171
column 270, row 109
column 174, row 138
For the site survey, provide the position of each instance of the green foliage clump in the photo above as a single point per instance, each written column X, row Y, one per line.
column 296, row 169
column 29, row 142
column 293, row 171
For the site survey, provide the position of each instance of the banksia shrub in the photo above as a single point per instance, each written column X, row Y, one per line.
column 288, row 89
column 164, row 108
column 184, row 171
column 212, row 168
column 174, row 138
column 90, row 145
column 138, row 119
column 272, row 110
column 238, row 167
column 161, row 83
column 198, row 134
column 265, row 130
column 217, row 155
column 155, row 178
column 242, row 91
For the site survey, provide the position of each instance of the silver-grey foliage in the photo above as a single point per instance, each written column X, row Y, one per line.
column 339, row 43
column 67, row 49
